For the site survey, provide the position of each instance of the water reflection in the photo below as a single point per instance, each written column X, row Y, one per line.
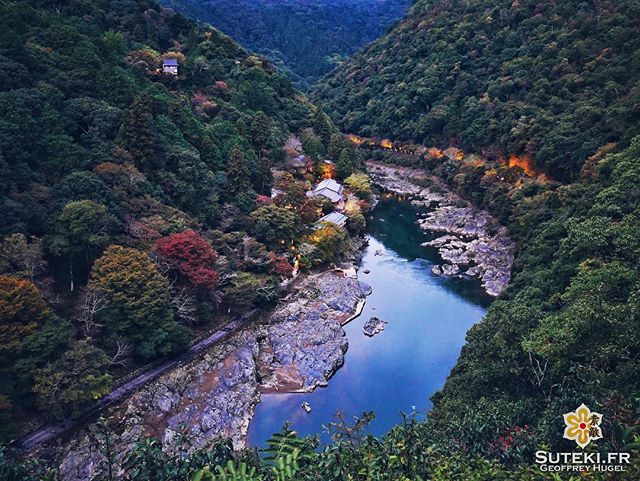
column 403, row 366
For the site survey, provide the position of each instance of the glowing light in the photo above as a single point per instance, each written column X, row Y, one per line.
column 386, row 144
column 328, row 171
column 434, row 152
column 356, row 139
column 525, row 163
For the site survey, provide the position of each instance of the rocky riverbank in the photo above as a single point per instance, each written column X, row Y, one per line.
column 304, row 343
column 296, row 347
column 208, row 398
column 474, row 244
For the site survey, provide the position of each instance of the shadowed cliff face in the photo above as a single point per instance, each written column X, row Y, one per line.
column 306, row 38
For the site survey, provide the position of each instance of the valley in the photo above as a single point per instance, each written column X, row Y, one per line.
column 325, row 240
column 309, row 349
column 304, row 39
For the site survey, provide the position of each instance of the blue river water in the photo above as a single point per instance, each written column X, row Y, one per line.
column 400, row 368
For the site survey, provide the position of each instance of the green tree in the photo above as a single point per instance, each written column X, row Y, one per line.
column 238, row 175
column 261, row 135
column 260, row 131
column 68, row 384
column 344, row 164
column 312, row 145
column 81, row 230
column 84, row 185
column 115, row 43
column 137, row 302
column 275, row 226
column 264, row 176
column 136, row 135
column 337, row 143
column 329, row 241
column 360, row 185
column 246, row 290
column 322, row 126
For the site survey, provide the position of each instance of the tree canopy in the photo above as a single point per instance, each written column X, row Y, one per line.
column 554, row 81
column 136, row 302
column 117, row 179
column 304, row 39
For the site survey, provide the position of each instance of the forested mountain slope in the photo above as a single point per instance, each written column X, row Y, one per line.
column 112, row 255
column 131, row 199
column 552, row 80
column 558, row 82
column 304, row 38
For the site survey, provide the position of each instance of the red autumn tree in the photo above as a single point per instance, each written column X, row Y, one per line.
column 280, row 265
column 192, row 255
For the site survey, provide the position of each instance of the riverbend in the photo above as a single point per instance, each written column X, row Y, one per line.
column 398, row 369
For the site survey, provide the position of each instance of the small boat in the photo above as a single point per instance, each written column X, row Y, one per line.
column 306, row 406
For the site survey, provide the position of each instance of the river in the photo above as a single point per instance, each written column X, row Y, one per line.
column 400, row 368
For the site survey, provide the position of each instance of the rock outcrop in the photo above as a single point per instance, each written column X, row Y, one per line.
column 297, row 347
column 373, row 326
column 305, row 338
column 203, row 400
column 474, row 244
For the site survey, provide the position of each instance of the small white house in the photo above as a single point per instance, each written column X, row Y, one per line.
column 170, row 66
column 330, row 189
column 276, row 192
column 335, row 218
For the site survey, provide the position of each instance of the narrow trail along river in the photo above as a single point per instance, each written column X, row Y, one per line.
column 401, row 367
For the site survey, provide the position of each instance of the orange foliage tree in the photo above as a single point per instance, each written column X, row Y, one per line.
column 22, row 310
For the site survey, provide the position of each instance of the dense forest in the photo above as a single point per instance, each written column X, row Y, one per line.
column 306, row 39
column 551, row 80
column 101, row 220
column 136, row 204
column 533, row 79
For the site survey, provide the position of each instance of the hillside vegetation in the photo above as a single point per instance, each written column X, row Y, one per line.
column 135, row 205
column 558, row 82
column 565, row 332
column 552, row 80
column 306, row 39
column 104, row 186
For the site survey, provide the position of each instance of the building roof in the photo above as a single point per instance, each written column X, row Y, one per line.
column 328, row 188
column 331, row 185
column 329, row 194
column 335, row 218
column 170, row 61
